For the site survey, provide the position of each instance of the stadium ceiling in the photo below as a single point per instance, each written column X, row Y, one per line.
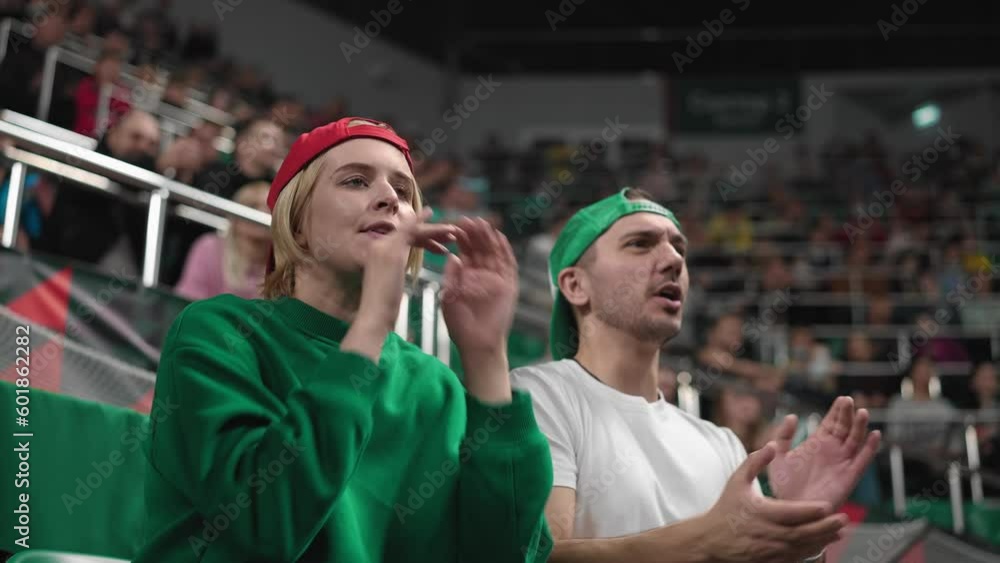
column 600, row 36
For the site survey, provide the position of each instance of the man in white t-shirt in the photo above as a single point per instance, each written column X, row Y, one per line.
column 635, row 478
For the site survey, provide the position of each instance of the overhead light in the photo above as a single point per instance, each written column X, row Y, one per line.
column 927, row 115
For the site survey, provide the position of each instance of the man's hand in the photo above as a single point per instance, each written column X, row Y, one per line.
column 743, row 525
column 827, row 465
column 478, row 302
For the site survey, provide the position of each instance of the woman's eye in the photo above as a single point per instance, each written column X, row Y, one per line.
column 355, row 182
column 403, row 192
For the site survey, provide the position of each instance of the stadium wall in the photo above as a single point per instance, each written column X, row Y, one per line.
column 380, row 79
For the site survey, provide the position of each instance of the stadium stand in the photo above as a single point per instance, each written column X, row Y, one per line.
column 111, row 176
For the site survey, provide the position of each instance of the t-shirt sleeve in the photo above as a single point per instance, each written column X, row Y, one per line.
column 555, row 416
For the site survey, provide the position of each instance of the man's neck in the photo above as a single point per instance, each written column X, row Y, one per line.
column 620, row 361
column 335, row 296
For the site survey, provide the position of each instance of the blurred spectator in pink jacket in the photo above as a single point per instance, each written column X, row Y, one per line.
column 231, row 262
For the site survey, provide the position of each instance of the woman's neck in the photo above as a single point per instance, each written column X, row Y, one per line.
column 337, row 296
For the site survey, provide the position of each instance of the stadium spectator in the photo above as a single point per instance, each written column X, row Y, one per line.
column 980, row 304
column 85, row 22
column 465, row 197
column 182, row 160
column 739, row 408
column 984, row 395
column 206, row 133
column 234, row 261
column 731, row 231
column 861, row 376
column 260, row 146
column 940, row 347
column 922, row 423
column 811, row 369
column 21, row 68
column 175, row 93
column 721, row 352
column 89, row 96
column 348, row 233
column 84, row 225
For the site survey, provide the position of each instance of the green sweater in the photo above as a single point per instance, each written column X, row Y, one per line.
column 285, row 448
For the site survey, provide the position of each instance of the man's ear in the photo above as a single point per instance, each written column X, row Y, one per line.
column 574, row 286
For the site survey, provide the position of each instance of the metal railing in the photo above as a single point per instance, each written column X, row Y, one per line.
column 67, row 159
column 170, row 117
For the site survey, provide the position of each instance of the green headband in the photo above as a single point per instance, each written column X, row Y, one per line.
column 583, row 228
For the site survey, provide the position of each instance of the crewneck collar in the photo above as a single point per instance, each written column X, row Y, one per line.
column 302, row 316
column 619, row 398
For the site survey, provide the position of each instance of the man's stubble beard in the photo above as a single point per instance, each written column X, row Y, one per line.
column 624, row 313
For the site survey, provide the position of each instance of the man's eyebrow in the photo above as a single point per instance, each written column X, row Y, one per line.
column 676, row 238
column 643, row 232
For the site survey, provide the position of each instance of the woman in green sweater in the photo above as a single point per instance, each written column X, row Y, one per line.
column 306, row 429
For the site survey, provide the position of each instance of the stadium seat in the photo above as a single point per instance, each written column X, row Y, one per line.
column 35, row 556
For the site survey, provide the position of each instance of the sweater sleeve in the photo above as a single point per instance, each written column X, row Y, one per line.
column 233, row 447
column 505, row 481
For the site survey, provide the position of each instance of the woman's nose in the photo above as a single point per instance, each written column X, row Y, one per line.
column 387, row 199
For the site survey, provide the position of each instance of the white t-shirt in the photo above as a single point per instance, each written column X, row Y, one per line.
column 635, row 465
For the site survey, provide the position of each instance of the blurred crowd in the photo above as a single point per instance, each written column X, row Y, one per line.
column 805, row 280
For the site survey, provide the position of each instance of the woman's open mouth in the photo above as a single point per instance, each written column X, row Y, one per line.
column 379, row 229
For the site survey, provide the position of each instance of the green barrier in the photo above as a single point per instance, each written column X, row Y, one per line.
column 982, row 521
column 84, row 481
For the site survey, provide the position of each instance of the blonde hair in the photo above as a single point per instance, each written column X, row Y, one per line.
column 236, row 266
column 287, row 219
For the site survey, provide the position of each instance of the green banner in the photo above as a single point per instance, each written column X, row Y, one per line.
column 726, row 107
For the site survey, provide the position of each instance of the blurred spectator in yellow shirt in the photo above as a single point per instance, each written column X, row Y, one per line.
column 731, row 230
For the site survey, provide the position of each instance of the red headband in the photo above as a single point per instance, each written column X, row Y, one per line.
column 314, row 143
